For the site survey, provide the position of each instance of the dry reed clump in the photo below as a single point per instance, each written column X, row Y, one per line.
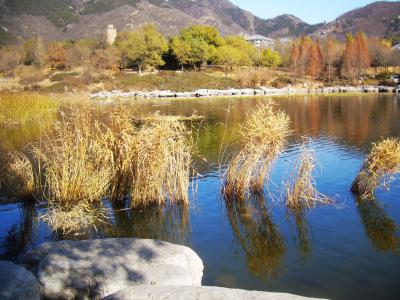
column 161, row 167
column 120, row 139
column 81, row 160
column 264, row 135
column 378, row 168
column 73, row 165
column 80, row 216
column 300, row 188
column 17, row 174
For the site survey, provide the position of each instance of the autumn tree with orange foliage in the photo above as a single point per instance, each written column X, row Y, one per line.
column 56, row 56
column 304, row 52
column 315, row 61
column 330, row 56
column 349, row 58
column 294, row 57
column 362, row 58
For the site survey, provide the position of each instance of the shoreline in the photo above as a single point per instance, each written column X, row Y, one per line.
column 259, row 92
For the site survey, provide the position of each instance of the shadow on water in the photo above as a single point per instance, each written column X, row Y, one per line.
column 380, row 229
column 258, row 236
column 19, row 235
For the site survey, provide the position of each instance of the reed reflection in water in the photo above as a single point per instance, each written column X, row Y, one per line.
column 380, row 229
column 20, row 235
column 258, row 236
column 169, row 222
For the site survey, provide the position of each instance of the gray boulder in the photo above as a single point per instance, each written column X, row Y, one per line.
column 97, row 268
column 196, row 293
column 17, row 283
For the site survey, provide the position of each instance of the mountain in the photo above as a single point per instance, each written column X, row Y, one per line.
column 71, row 19
column 379, row 19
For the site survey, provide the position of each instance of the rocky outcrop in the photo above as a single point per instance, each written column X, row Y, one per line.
column 98, row 268
column 196, row 293
column 17, row 283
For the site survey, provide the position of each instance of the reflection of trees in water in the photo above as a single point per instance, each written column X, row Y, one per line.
column 162, row 222
column 258, row 236
column 380, row 229
column 20, row 235
column 302, row 232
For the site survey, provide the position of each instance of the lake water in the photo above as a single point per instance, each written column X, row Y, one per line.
column 349, row 250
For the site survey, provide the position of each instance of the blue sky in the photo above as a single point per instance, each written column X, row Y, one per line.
column 310, row 11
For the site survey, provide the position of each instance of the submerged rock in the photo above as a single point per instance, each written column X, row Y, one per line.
column 196, row 293
column 17, row 283
column 98, row 268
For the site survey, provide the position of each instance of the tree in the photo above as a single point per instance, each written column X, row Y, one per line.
column 228, row 56
column 56, row 56
column 304, row 50
column 330, row 55
column 143, row 47
column 203, row 41
column 362, row 60
column 28, row 47
column 181, row 50
column 294, row 57
column 249, row 53
column 105, row 59
column 270, row 58
column 315, row 61
column 381, row 54
column 349, row 58
column 79, row 52
column 9, row 59
column 39, row 52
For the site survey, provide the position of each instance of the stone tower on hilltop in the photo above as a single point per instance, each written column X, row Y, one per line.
column 111, row 34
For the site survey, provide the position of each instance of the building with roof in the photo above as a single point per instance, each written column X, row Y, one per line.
column 260, row 41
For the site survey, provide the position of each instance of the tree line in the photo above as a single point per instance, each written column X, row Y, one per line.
column 145, row 48
column 198, row 46
column 349, row 60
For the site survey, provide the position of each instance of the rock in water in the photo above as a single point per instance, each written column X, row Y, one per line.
column 98, row 268
column 196, row 293
column 17, row 283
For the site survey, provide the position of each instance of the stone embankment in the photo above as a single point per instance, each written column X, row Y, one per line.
column 114, row 269
column 262, row 91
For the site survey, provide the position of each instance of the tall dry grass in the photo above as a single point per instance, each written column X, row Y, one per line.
column 263, row 135
column 162, row 163
column 378, row 168
column 120, row 139
column 84, row 159
column 17, row 174
column 300, row 188
column 19, row 108
column 75, row 171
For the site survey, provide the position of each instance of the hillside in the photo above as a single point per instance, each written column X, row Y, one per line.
column 378, row 19
column 71, row 19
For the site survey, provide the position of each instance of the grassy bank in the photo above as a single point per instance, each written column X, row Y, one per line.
column 24, row 107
